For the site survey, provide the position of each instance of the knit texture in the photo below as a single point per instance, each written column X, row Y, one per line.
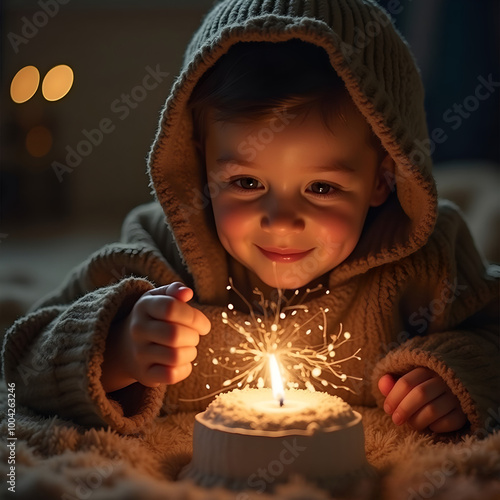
column 415, row 291
column 383, row 81
column 54, row 354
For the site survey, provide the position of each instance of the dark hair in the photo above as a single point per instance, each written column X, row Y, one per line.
column 254, row 79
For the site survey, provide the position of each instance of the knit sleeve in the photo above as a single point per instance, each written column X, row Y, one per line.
column 54, row 356
column 146, row 225
column 467, row 360
column 458, row 327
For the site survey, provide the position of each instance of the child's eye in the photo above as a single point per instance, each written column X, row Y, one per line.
column 247, row 183
column 322, row 188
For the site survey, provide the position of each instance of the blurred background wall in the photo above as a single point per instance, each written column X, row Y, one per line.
column 52, row 217
column 111, row 47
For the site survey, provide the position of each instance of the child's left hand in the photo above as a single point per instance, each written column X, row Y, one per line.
column 422, row 399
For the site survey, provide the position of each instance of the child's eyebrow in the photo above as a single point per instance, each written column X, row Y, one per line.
column 333, row 166
column 223, row 162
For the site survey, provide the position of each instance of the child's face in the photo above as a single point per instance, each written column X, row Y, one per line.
column 289, row 197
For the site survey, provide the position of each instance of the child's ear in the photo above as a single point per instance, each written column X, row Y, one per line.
column 384, row 182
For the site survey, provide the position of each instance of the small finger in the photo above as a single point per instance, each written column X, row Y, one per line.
column 167, row 334
column 403, row 386
column 418, row 398
column 170, row 289
column 433, row 411
column 172, row 310
column 161, row 374
column 159, row 354
column 453, row 421
column 177, row 290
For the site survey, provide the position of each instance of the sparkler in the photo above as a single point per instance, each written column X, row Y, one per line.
column 279, row 330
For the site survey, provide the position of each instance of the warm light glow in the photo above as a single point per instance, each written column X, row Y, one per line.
column 276, row 382
column 24, row 84
column 57, row 82
column 307, row 353
column 39, row 141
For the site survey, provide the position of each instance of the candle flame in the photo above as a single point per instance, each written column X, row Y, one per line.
column 276, row 382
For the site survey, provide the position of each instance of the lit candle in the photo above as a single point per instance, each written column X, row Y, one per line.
column 276, row 382
column 290, row 402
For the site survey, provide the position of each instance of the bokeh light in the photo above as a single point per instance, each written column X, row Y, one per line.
column 39, row 141
column 57, row 82
column 24, row 84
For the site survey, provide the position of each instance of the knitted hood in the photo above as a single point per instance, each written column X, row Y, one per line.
column 380, row 75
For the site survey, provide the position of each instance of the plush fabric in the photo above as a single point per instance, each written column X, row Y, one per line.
column 57, row 460
column 415, row 292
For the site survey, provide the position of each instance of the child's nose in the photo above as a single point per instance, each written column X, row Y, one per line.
column 281, row 218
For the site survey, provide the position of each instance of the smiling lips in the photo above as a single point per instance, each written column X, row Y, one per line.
column 285, row 255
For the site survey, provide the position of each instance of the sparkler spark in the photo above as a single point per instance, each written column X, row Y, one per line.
column 281, row 330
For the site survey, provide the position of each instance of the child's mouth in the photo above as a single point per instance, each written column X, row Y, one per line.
column 285, row 255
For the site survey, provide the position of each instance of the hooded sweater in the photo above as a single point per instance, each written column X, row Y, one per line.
column 415, row 292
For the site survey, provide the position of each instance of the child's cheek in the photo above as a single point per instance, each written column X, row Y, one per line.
column 234, row 219
column 335, row 226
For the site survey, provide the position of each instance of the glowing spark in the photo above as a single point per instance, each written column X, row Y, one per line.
column 282, row 329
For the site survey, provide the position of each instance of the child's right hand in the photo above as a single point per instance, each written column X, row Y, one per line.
column 156, row 343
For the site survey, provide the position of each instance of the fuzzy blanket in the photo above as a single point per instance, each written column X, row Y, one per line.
column 56, row 460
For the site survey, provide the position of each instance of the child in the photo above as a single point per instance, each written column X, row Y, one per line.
column 286, row 157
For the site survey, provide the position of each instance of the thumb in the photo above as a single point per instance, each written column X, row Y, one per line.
column 183, row 293
column 177, row 290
